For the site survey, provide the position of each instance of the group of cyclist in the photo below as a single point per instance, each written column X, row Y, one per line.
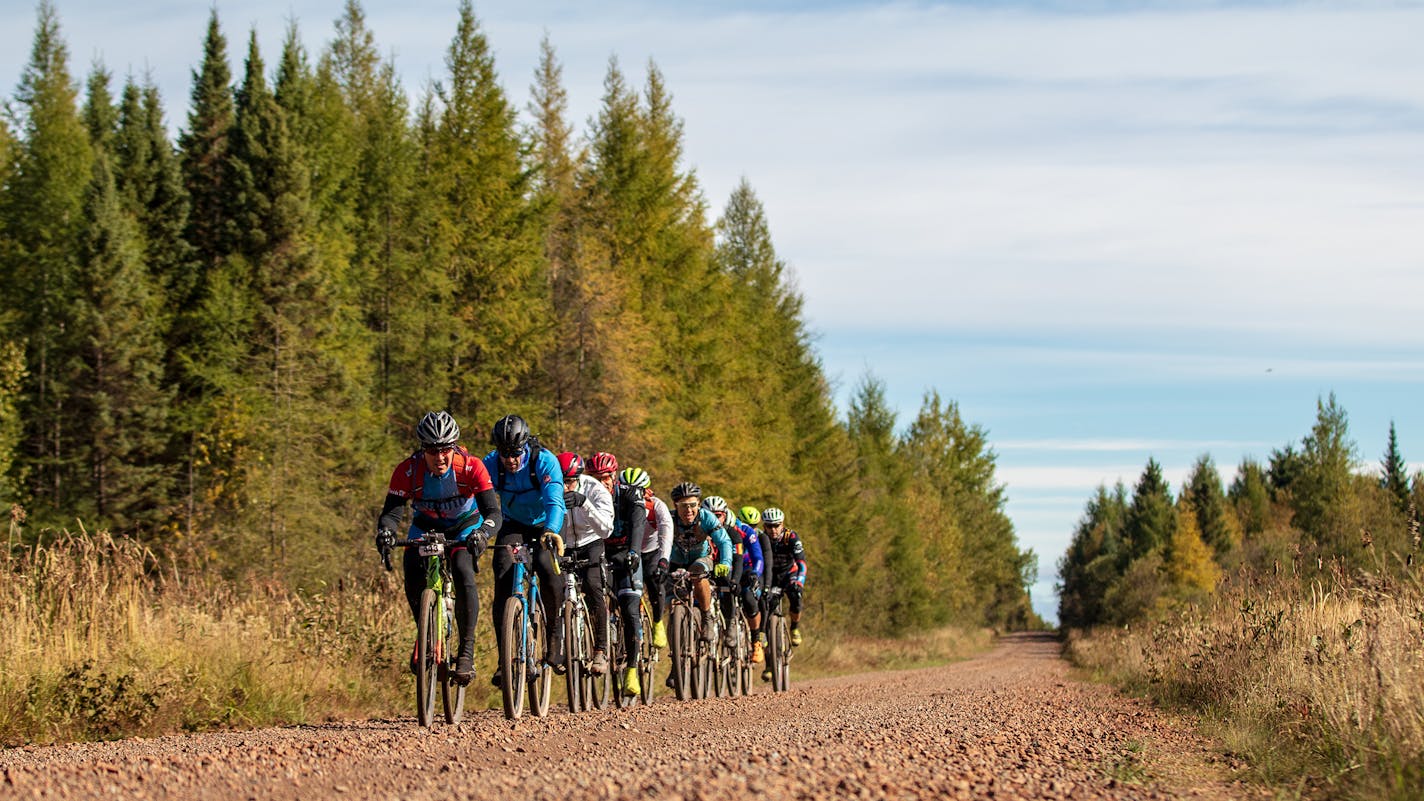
column 521, row 493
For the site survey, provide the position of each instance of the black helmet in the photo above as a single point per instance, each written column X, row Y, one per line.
column 510, row 434
column 686, row 489
column 437, row 430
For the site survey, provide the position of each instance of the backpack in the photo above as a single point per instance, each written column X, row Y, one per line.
column 463, row 465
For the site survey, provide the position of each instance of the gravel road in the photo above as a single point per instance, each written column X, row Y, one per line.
column 1012, row 724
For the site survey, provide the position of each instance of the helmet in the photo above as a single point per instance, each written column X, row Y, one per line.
column 715, row 504
column 686, row 489
column 571, row 464
column 635, row 477
column 510, row 434
column 603, row 462
column 749, row 515
column 437, row 430
column 772, row 515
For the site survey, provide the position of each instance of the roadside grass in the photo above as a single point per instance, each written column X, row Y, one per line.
column 102, row 641
column 1319, row 687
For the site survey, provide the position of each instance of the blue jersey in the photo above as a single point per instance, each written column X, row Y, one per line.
column 695, row 540
column 751, row 553
column 532, row 496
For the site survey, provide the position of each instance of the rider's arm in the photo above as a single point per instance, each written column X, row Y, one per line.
column 488, row 502
column 551, row 487
column 637, row 518
column 391, row 513
column 798, row 556
column 754, row 550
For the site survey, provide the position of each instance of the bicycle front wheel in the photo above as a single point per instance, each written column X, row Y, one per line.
column 541, row 676
column 781, row 647
column 647, row 654
column 452, row 693
column 574, row 653
column 427, row 660
column 513, row 664
column 680, row 646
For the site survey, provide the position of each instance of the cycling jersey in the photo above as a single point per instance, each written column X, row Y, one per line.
column 751, row 550
column 532, row 494
column 444, row 502
column 788, row 561
column 593, row 521
column 695, row 540
column 630, row 518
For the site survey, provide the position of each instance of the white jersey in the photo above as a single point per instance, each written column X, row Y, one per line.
column 659, row 537
column 593, row 521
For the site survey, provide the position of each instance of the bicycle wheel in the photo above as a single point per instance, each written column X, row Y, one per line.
column 745, row 668
column 647, row 654
column 602, row 685
column 541, row 676
column 617, row 655
column 574, row 653
column 736, row 657
column 781, row 646
column 680, row 646
column 452, row 693
column 513, row 665
column 427, row 643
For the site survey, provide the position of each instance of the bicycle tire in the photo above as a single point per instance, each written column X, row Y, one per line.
column 541, row 676
column 574, row 653
column 602, row 684
column 427, row 662
column 781, row 674
column 734, row 661
column 679, row 642
column 647, row 654
column 617, row 653
column 746, row 668
column 452, row 693
column 512, row 662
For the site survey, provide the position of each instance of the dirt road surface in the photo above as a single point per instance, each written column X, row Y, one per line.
column 1011, row 724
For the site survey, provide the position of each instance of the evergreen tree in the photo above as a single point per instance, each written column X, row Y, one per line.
column 122, row 411
column 1216, row 522
column 101, row 119
column 1394, row 473
column 1151, row 518
column 1251, row 497
column 1089, row 565
column 204, row 146
column 12, row 379
column 41, row 212
column 1326, row 507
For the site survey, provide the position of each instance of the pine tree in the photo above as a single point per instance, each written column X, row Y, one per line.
column 1326, row 507
column 1251, row 496
column 101, row 119
column 1394, row 473
column 204, row 146
column 1151, row 518
column 124, row 406
column 42, row 216
column 1216, row 522
column 1088, row 567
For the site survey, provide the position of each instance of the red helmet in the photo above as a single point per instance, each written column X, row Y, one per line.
column 571, row 464
column 603, row 462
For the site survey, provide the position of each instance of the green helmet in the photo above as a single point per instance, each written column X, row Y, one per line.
column 749, row 515
column 635, row 477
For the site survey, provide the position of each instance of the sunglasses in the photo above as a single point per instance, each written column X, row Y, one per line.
column 510, row 454
column 440, row 451
column 688, row 504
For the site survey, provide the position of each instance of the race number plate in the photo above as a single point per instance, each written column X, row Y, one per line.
column 432, row 549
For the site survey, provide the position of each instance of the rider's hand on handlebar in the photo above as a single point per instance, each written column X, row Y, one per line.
column 385, row 540
column 722, row 571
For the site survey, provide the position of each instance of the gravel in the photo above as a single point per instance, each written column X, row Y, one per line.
column 1012, row 724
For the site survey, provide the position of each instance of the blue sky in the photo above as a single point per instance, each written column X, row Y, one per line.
column 1107, row 230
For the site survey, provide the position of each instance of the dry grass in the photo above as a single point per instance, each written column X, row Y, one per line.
column 1321, row 687
column 100, row 642
column 834, row 654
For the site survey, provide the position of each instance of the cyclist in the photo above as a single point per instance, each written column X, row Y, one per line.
column 717, row 505
column 695, row 534
column 748, row 518
column 531, row 490
column 630, row 518
column 588, row 523
column 450, row 493
column 787, row 567
column 657, row 547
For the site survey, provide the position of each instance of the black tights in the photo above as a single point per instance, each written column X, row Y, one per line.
column 462, row 572
column 550, row 589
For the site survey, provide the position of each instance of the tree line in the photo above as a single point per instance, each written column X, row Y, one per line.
column 219, row 345
column 1306, row 511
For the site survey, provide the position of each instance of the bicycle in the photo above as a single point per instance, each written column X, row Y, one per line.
column 618, row 656
column 778, row 646
column 578, row 639
column 734, row 663
column 522, row 647
column 682, row 646
column 437, row 643
column 647, row 654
